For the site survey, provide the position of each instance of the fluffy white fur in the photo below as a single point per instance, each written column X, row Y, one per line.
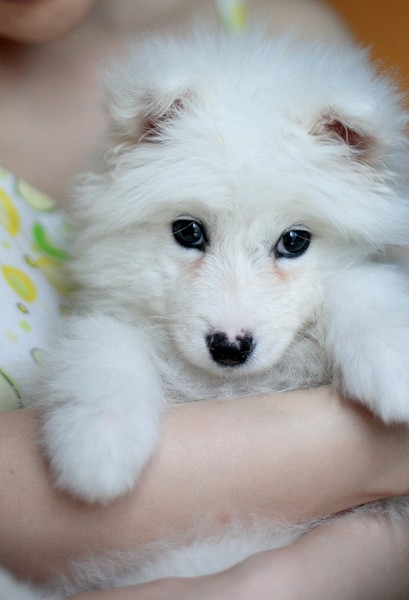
column 250, row 138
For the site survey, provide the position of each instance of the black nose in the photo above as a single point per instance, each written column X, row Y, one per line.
column 227, row 353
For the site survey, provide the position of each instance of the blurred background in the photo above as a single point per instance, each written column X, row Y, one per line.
column 384, row 26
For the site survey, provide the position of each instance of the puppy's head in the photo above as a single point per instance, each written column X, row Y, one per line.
column 241, row 176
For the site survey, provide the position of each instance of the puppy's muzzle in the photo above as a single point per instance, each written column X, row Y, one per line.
column 228, row 353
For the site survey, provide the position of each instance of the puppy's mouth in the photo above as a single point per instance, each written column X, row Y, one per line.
column 227, row 352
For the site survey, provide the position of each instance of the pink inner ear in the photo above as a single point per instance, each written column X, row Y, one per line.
column 152, row 124
column 346, row 134
column 150, row 129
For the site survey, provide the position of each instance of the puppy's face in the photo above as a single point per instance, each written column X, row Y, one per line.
column 245, row 287
column 231, row 267
column 231, row 276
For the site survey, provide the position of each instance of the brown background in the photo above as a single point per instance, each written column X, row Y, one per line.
column 383, row 25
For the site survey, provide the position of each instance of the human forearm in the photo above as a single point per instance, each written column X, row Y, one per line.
column 358, row 558
column 291, row 456
column 347, row 559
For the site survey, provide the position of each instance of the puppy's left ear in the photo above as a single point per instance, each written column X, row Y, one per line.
column 335, row 128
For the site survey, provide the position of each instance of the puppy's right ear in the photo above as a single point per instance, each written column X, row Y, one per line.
column 148, row 90
column 153, row 124
column 144, row 118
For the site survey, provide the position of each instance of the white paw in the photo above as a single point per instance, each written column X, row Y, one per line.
column 98, row 454
column 101, row 401
column 379, row 376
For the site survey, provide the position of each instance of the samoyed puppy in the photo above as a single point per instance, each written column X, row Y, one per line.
column 235, row 242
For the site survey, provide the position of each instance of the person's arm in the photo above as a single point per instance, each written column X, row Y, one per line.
column 363, row 558
column 291, row 456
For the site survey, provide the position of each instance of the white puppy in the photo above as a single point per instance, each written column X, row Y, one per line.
column 235, row 242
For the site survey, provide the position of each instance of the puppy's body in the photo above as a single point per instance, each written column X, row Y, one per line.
column 235, row 243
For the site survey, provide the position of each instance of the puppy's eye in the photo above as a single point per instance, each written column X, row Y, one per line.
column 292, row 243
column 189, row 233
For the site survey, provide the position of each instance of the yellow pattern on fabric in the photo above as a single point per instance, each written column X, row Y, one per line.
column 35, row 198
column 20, row 282
column 9, row 216
column 33, row 282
